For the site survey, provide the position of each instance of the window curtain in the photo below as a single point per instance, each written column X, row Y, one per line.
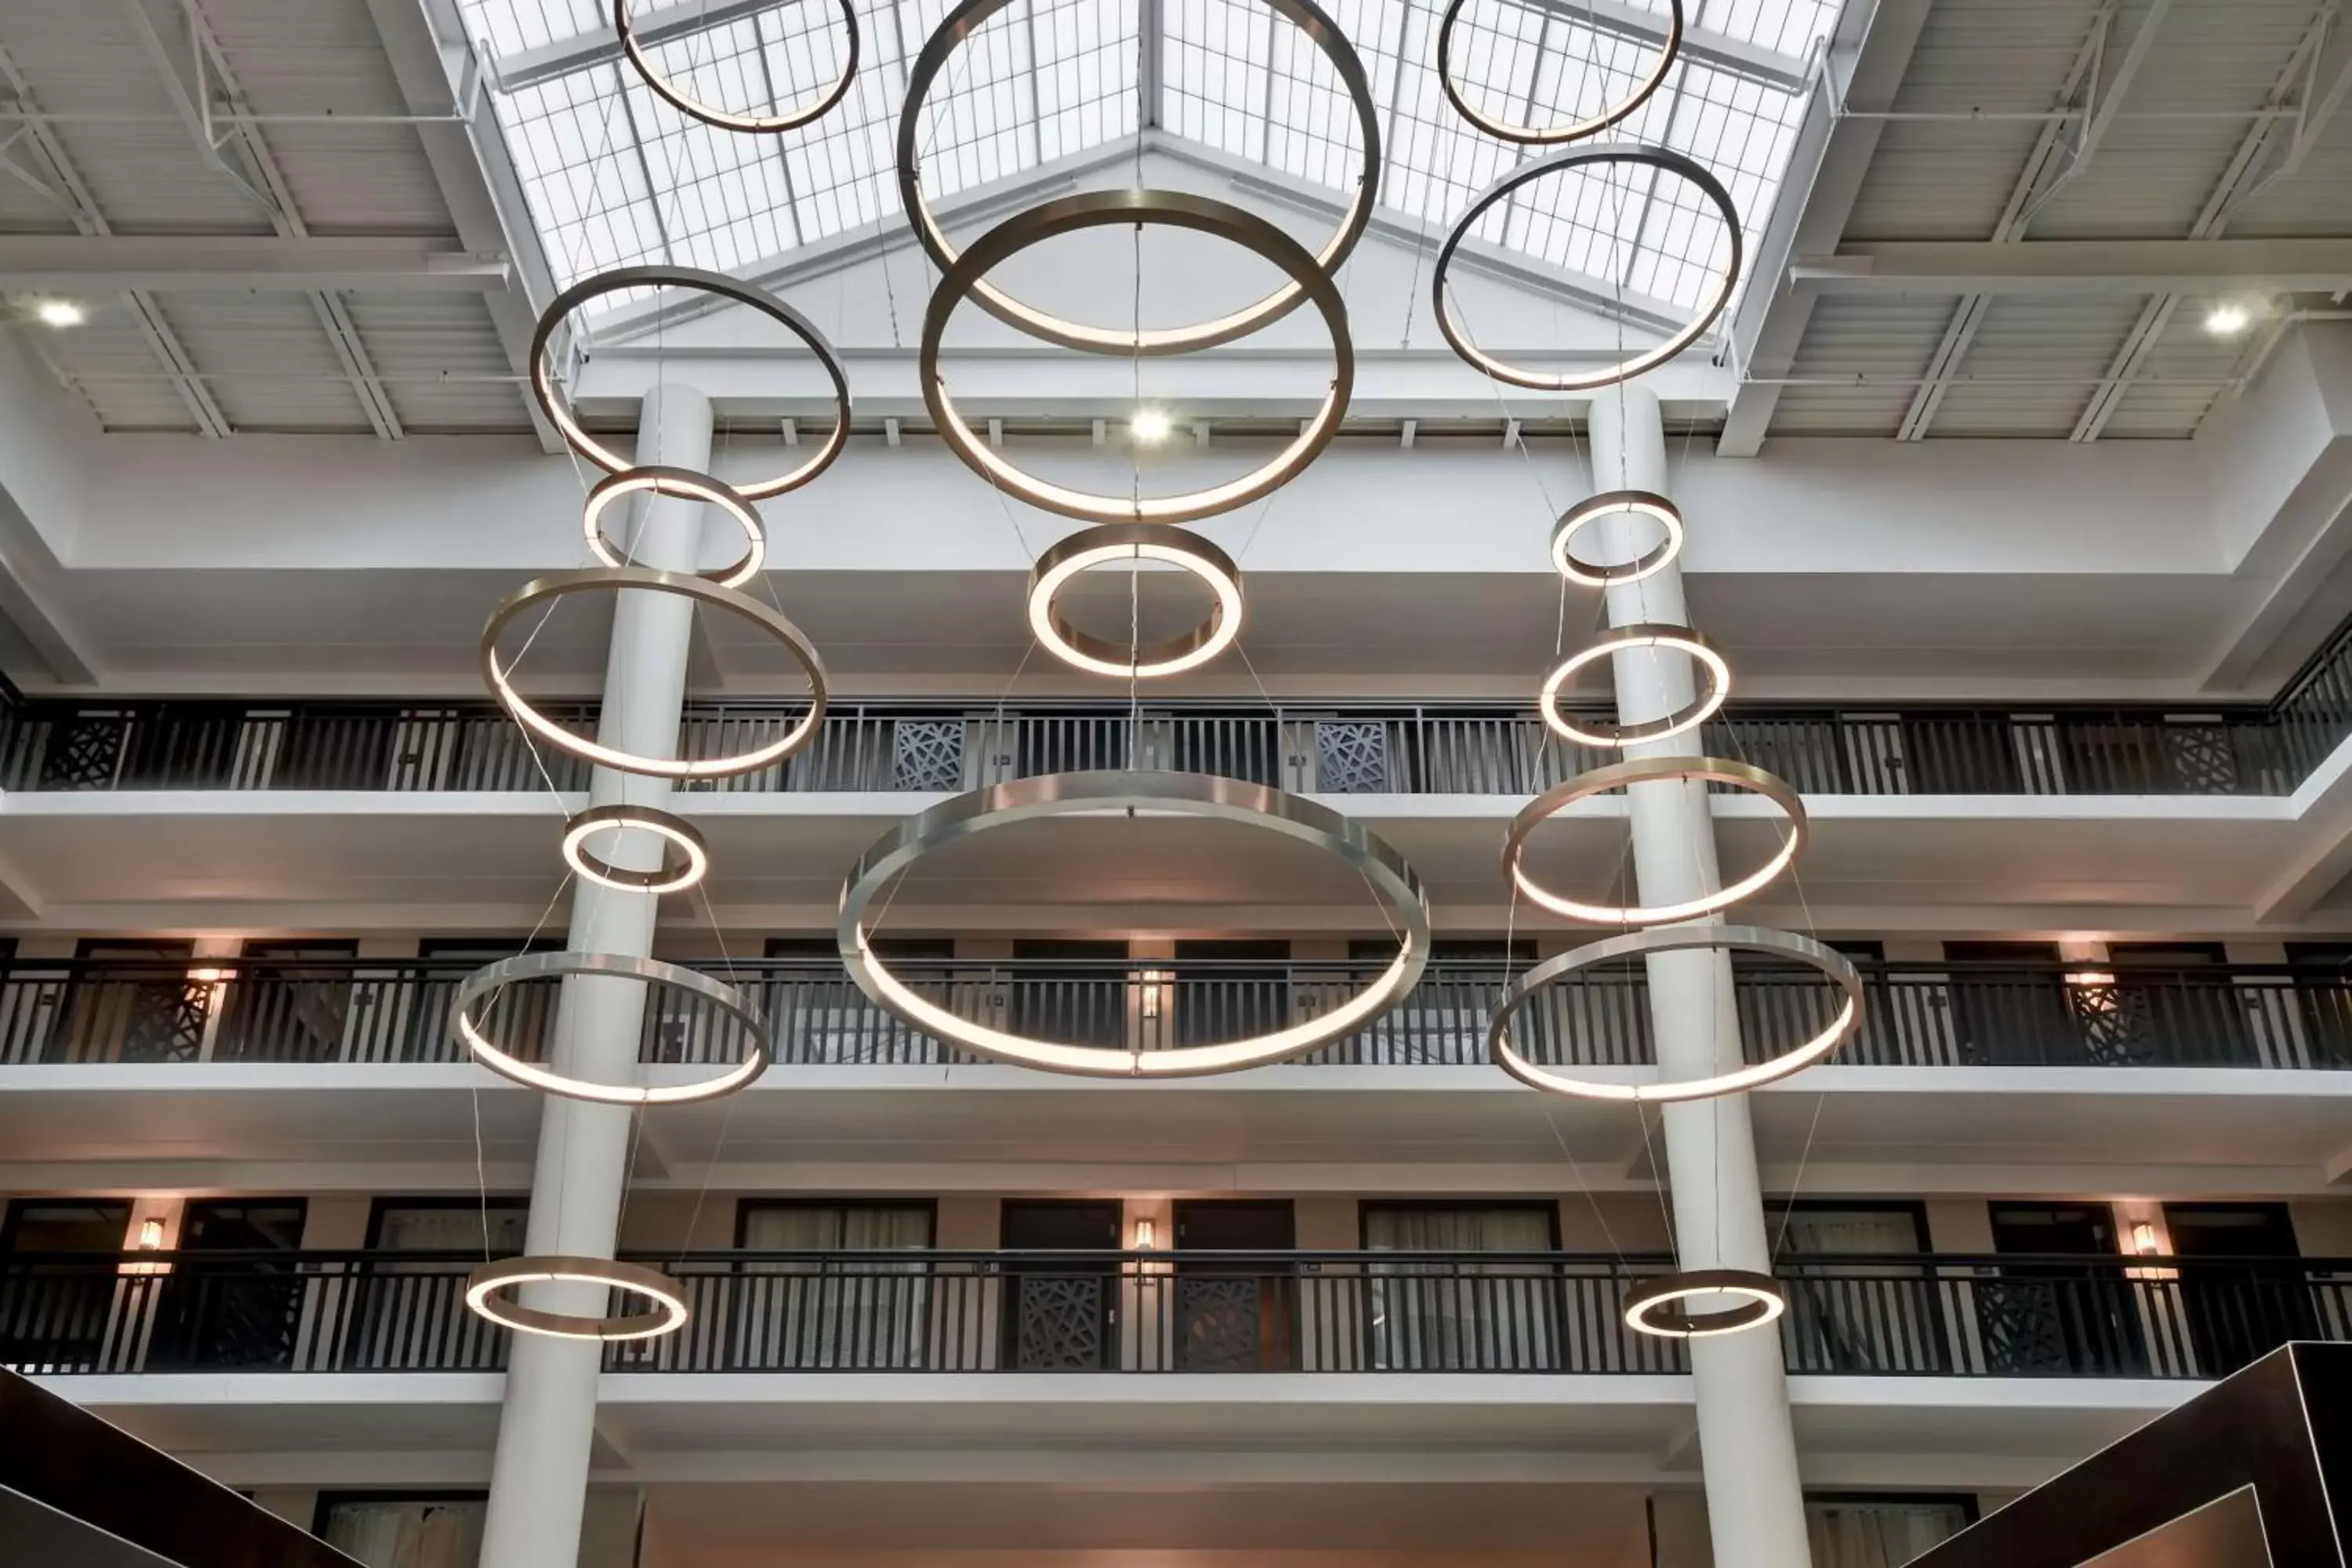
column 808, row 1313
column 408, row 1534
column 1879, row 1535
column 412, row 1316
column 1869, row 1317
column 1459, row 1316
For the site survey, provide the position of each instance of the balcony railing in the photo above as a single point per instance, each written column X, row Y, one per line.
column 1376, row 1312
column 1337, row 748
column 1919, row 1015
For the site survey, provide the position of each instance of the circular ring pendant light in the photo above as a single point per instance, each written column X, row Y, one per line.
column 1593, row 509
column 1616, row 737
column 1653, row 770
column 1102, row 209
column 1118, row 792
column 684, row 484
column 561, row 413
column 616, row 578
column 635, row 47
column 711, row 999
column 1321, row 31
column 686, row 858
column 487, row 1287
column 1654, row 1307
column 1831, row 964
column 1670, row 50
column 1136, row 543
column 1659, row 160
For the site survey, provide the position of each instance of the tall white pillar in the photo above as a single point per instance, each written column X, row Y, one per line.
column 539, row 1476
column 1755, row 1500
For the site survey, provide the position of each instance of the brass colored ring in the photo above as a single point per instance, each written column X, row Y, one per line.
column 485, row 1288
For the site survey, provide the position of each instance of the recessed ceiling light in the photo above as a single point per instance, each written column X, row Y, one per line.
column 60, row 313
column 1150, row 426
column 2227, row 321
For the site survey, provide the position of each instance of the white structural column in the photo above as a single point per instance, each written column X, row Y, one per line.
column 539, row 1478
column 1755, row 1501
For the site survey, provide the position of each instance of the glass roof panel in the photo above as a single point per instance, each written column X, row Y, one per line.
column 614, row 174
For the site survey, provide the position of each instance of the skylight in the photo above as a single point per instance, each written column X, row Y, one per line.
column 614, row 175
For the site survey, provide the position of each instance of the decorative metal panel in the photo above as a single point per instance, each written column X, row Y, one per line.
column 927, row 755
column 1352, row 757
column 1059, row 1322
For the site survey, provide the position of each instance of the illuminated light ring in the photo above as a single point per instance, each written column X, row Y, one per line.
column 684, row 483
column 1099, row 209
column 1613, row 503
column 1659, row 158
column 666, row 1315
column 558, row 408
column 674, row 875
column 1149, row 542
column 610, row 965
column 1650, row 770
column 1649, row 1305
column 1611, row 737
column 727, row 120
column 614, row 579
column 1553, row 135
column 1111, row 792
column 1320, row 29
column 1832, row 965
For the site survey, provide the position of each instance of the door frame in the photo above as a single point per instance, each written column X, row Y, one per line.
column 1277, row 1293
column 1010, row 1274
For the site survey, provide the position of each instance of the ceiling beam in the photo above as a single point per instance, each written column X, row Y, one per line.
column 2241, row 180
column 1826, row 169
column 2093, row 268
column 1721, row 51
column 237, row 151
column 2104, row 99
column 1150, row 69
column 439, row 74
column 240, row 262
column 161, row 340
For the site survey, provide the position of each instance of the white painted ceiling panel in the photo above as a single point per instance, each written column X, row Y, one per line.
column 269, row 360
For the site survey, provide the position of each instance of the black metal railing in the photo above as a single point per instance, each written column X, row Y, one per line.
column 995, row 1312
column 2278, row 1016
column 1343, row 748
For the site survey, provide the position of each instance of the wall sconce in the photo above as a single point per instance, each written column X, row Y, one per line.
column 207, row 976
column 2090, row 977
column 2143, row 1238
column 150, row 1239
column 1152, row 980
column 1147, row 1235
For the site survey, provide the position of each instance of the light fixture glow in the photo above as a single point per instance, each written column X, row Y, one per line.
column 60, row 313
column 1689, row 717
column 1833, row 966
column 678, row 871
column 207, row 976
column 1104, row 209
column 493, row 978
column 1116, row 792
column 2228, row 320
column 668, row 1314
column 1652, row 1306
column 2143, row 1238
column 1652, row 770
column 1613, row 503
column 689, row 485
column 2090, row 978
column 1135, row 543
column 151, row 1235
column 1147, row 1235
column 616, row 578
column 961, row 23
column 1150, row 425
column 1572, row 130
column 623, row 24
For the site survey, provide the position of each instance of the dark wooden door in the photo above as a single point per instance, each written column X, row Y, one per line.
column 1061, row 1314
column 1070, row 991
column 1235, row 1314
column 2010, row 1007
column 149, row 1011
column 2173, row 1002
column 2248, row 1308
column 2075, row 1313
column 54, row 1313
column 1230, row 990
column 243, row 1313
column 2322, row 990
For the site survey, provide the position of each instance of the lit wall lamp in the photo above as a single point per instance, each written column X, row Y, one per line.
column 1152, row 980
column 1146, row 1235
column 207, row 976
column 150, row 1239
column 2089, row 977
column 2143, row 1234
